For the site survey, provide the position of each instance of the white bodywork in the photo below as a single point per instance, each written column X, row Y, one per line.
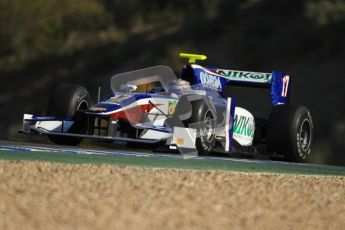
column 51, row 126
column 184, row 137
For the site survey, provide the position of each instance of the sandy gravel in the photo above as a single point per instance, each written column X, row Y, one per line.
column 41, row 195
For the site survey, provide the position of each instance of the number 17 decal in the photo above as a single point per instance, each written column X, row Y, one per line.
column 286, row 80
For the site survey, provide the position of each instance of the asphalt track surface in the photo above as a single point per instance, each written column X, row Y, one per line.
column 120, row 155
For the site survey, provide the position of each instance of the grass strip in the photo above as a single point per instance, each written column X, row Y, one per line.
column 175, row 163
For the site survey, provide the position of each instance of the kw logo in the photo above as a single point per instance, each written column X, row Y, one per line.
column 243, row 126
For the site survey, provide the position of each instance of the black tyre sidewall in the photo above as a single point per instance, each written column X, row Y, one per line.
column 283, row 132
column 298, row 154
column 65, row 102
column 199, row 111
column 66, row 98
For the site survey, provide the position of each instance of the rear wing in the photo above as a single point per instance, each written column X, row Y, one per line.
column 277, row 82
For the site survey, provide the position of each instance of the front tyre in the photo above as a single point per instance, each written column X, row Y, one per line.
column 290, row 132
column 203, row 119
column 69, row 100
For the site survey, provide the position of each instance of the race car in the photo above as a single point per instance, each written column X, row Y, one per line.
column 191, row 113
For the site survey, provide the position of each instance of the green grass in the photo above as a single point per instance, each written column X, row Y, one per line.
column 176, row 163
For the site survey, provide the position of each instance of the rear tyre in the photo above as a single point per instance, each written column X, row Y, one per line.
column 205, row 123
column 290, row 132
column 69, row 100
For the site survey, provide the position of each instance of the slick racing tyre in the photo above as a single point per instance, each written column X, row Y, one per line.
column 203, row 119
column 290, row 132
column 69, row 100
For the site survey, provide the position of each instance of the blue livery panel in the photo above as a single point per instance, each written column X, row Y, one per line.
column 278, row 82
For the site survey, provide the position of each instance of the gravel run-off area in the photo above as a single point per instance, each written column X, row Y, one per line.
column 43, row 195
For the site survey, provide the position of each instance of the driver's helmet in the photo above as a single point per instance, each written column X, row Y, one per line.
column 179, row 85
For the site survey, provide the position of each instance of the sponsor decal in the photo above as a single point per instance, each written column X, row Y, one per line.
column 180, row 141
column 97, row 109
column 171, row 107
column 245, row 76
column 210, row 80
column 243, row 126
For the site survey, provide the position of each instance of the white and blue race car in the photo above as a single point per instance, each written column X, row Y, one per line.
column 191, row 113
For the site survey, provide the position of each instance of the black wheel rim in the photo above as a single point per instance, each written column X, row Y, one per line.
column 305, row 135
column 83, row 105
column 207, row 132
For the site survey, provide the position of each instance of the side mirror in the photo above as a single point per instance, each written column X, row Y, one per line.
column 128, row 88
